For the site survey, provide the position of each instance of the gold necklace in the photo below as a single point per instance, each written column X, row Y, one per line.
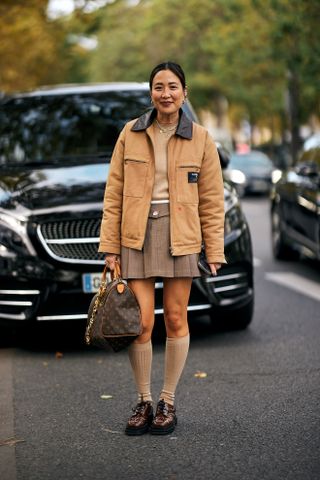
column 166, row 130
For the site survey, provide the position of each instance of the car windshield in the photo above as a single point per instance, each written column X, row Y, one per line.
column 51, row 128
column 250, row 159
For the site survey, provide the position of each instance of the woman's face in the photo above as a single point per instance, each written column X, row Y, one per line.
column 167, row 93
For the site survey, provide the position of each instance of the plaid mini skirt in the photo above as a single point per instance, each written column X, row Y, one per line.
column 155, row 259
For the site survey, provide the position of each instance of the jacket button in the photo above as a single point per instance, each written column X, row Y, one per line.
column 155, row 213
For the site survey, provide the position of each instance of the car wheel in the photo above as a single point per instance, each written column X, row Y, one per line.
column 280, row 249
column 237, row 319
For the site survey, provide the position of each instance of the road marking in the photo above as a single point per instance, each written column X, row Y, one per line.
column 257, row 262
column 296, row 282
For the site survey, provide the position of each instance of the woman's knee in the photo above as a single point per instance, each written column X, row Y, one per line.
column 175, row 319
column 147, row 328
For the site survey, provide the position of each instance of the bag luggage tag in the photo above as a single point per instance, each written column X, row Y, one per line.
column 120, row 287
column 116, row 275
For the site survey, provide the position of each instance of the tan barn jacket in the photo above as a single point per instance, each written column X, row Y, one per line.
column 195, row 190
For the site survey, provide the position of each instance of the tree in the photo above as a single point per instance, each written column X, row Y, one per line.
column 36, row 50
column 212, row 40
column 29, row 52
column 295, row 43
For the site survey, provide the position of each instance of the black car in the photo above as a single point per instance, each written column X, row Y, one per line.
column 250, row 172
column 55, row 148
column 295, row 209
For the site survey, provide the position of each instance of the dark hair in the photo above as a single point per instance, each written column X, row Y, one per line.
column 174, row 67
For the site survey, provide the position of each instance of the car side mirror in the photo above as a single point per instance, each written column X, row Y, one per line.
column 224, row 157
column 307, row 170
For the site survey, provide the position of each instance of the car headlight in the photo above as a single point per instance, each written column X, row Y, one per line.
column 233, row 220
column 13, row 236
column 276, row 175
column 236, row 176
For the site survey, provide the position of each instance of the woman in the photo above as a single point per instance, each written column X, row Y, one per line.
column 163, row 198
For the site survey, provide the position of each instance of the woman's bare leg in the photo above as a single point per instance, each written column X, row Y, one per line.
column 176, row 293
column 144, row 291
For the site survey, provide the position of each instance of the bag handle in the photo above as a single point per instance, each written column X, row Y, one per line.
column 115, row 274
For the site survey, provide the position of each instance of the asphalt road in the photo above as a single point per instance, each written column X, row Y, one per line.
column 254, row 416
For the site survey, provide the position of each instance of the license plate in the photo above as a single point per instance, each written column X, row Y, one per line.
column 91, row 282
column 260, row 185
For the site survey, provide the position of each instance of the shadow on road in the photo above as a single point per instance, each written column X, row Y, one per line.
column 70, row 337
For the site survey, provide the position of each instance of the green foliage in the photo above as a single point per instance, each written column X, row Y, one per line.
column 294, row 41
column 222, row 45
column 242, row 49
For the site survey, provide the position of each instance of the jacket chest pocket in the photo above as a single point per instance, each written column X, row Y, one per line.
column 187, row 183
column 135, row 177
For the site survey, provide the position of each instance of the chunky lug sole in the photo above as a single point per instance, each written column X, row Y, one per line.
column 164, row 431
column 139, row 431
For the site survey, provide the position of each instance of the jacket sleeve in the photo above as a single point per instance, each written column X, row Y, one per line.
column 211, row 203
column 112, row 204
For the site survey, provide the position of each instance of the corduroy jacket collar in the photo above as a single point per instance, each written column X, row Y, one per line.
column 184, row 128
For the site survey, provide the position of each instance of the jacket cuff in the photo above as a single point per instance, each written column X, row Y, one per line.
column 217, row 259
column 109, row 248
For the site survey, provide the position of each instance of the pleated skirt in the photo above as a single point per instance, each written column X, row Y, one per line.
column 155, row 259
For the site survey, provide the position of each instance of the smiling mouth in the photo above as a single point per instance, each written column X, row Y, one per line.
column 166, row 104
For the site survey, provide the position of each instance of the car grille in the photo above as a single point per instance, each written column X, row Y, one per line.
column 18, row 303
column 72, row 241
column 229, row 284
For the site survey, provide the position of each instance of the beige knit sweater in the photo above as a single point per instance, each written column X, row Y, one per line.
column 161, row 184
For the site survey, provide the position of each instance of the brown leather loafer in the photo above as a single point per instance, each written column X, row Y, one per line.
column 165, row 419
column 141, row 419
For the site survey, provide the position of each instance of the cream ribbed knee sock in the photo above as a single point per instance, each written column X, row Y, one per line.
column 175, row 358
column 140, row 355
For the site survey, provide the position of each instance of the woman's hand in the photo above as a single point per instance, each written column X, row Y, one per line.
column 214, row 267
column 111, row 259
